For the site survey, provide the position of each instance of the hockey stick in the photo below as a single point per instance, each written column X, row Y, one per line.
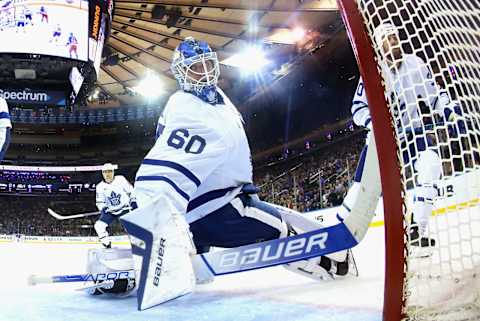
column 303, row 246
column 319, row 242
column 67, row 217
column 110, row 276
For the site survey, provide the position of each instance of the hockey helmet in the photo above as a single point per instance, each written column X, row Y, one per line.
column 196, row 68
column 108, row 167
column 383, row 31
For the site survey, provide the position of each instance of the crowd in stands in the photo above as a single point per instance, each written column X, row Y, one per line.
column 28, row 215
column 316, row 178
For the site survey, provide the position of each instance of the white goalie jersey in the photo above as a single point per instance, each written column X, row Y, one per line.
column 414, row 75
column 200, row 160
column 114, row 197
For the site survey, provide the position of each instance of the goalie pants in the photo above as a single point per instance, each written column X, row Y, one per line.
column 235, row 225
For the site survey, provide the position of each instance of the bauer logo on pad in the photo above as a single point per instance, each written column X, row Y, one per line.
column 285, row 249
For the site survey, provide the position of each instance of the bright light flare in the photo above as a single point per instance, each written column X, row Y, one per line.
column 150, row 86
column 298, row 33
column 251, row 60
column 289, row 36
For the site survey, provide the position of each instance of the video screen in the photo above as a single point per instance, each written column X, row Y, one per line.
column 46, row 27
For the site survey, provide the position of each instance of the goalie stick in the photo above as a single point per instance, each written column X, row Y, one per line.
column 319, row 242
column 109, row 276
column 259, row 255
column 67, row 217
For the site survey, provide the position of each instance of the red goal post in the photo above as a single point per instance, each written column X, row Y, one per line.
column 439, row 44
column 387, row 157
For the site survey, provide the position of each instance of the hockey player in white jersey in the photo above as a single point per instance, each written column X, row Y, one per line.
column 410, row 84
column 5, row 128
column 196, row 181
column 114, row 198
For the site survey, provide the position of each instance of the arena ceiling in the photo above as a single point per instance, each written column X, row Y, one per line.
column 145, row 33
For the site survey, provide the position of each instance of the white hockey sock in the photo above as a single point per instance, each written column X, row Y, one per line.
column 101, row 229
column 423, row 207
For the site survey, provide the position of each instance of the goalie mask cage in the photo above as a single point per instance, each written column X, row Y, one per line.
column 445, row 34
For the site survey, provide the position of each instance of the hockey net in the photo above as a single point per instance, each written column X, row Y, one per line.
column 440, row 282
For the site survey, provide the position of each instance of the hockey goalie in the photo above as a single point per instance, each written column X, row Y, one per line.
column 194, row 192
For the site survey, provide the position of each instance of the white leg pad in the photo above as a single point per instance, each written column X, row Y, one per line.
column 170, row 273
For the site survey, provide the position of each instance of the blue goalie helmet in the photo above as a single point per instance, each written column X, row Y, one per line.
column 196, row 68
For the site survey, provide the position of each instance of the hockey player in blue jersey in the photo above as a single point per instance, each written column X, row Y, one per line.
column 5, row 128
column 193, row 187
column 409, row 82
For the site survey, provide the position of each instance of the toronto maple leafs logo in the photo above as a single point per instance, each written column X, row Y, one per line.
column 114, row 199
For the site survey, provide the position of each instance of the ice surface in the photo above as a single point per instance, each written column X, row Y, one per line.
column 268, row 294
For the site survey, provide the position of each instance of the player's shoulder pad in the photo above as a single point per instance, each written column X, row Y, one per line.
column 100, row 186
column 181, row 101
column 186, row 109
column 121, row 177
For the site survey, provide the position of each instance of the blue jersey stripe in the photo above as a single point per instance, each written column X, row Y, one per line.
column 358, row 109
column 4, row 115
column 359, row 102
column 175, row 166
column 207, row 197
column 367, row 122
column 166, row 180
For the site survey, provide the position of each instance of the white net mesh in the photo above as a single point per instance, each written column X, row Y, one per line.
column 428, row 54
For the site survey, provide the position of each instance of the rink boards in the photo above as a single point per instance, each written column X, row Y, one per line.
column 456, row 193
column 117, row 240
